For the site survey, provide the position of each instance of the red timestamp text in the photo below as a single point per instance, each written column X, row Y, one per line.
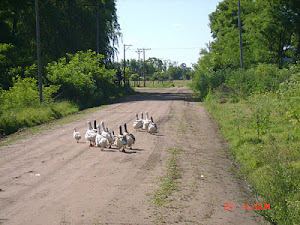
column 257, row 206
column 250, row 206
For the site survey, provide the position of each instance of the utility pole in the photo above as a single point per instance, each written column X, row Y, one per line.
column 240, row 31
column 97, row 32
column 98, row 10
column 38, row 41
column 125, row 63
column 144, row 49
column 139, row 52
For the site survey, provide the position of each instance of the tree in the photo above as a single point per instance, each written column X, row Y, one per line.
column 174, row 72
column 270, row 30
column 134, row 77
column 66, row 27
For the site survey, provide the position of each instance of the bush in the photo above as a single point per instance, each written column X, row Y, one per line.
column 20, row 106
column 260, row 79
column 82, row 78
column 289, row 98
column 25, row 93
column 204, row 82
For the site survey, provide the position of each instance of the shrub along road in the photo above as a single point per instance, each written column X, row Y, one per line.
column 183, row 174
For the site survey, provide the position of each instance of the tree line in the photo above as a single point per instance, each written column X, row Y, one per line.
column 154, row 69
column 74, row 75
column 270, row 34
column 66, row 26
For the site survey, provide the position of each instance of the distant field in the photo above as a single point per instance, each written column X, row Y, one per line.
column 178, row 83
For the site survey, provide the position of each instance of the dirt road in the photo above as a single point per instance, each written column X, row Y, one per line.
column 50, row 179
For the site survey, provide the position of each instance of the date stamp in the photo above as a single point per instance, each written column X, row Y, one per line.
column 250, row 206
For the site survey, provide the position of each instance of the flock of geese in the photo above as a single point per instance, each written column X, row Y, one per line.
column 107, row 139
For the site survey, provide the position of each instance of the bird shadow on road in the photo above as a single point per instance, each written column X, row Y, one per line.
column 137, row 149
column 158, row 135
column 132, row 152
column 128, row 151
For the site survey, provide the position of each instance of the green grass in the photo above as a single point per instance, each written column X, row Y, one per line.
column 266, row 144
column 182, row 83
column 47, row 119
column 168, row 183
column 17, row 118
column 18, row 114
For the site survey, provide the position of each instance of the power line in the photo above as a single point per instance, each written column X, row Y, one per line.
column 187, row 48
column 175, row 48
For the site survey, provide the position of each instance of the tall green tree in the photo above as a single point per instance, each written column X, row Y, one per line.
column 270, row 31
column 65, row 27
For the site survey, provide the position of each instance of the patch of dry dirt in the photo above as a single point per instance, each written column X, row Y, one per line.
column 50, row 179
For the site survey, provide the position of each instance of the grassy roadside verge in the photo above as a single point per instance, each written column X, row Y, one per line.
column 19, row 118
column 265, row 142
column 28, row 118
column 168, row 183
column 28, row 131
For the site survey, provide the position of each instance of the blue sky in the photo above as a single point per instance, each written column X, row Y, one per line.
column 175, row 30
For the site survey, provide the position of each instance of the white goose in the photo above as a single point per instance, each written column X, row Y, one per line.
column 138, row 123
column 95, row 126
column 90, row 126
column 76, row 135
column 90, row 134
column 107, row 135
column 152, row 127
column 129, row 137
column 111, row 137
column 146, row 122
column 101, row 141
column 120, row 141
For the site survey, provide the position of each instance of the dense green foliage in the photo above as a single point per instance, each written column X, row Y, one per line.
column 75, row 79
column 263, row 131
column 78, row 81
column 65, row 27
column 258, row 107
column 82, row 78
column 270, row 34
column 20, row 106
